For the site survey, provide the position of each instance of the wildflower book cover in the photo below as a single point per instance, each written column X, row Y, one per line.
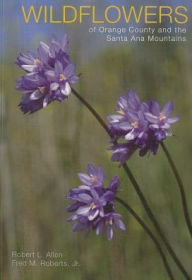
column 96, row 139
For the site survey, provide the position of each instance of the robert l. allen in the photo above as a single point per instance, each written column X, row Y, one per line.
column 30, row 255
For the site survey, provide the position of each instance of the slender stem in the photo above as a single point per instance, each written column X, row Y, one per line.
column 92, row 110
column 138, row 190
column 154, row 220
column 181, row 187
column 149, row 232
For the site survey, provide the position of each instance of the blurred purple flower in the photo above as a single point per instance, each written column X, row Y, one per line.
column 34, row 62
column 141, row 125
column 59, row 47
column 123, row 151
column 94, row 176
column 106, row 224
column 93, row 204
column 61, row 77
column 159, row 121
column 49, row 75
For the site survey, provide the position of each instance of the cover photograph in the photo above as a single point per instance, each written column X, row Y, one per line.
column 96, row 139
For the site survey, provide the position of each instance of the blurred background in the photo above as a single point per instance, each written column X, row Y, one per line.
column 42, row 153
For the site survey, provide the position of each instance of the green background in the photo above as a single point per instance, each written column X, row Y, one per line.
column 43, row 152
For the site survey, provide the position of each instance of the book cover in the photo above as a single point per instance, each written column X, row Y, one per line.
column 96, row 139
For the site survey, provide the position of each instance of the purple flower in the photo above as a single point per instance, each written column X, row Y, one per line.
column 49, row 75
column 34, row 62
column 123, row 151
column 94, row 176
column 127, row 102
column 58, row 48
column 119, row 124
column 106, row 224
column 159, row 121
column 141, row 126
column 114, row 184
column 93, row 204
column 61, row 77
column 35, row 95
column 137, row 124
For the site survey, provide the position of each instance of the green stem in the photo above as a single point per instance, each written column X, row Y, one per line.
column 181, row 187
column 137, row 189
column 151, row 235
column 154, row 220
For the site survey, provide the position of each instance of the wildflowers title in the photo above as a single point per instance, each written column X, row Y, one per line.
column 148, row 14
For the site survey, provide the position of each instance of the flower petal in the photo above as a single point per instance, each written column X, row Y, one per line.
column 91, row 169
column 36, row 95
column 85, row 178
column 54, row 86
column 93, row 214
column 173, row 120
column 29, row 68
column 119, row 224
column 45, row 101
column 58, row 68
column 109, row 233
column 73, row 207
column 69, row 70
column 72, row 218
column 99, row 228
column 66, row 90
column 83, row 210
column 83, row 197
column 130, row 136
column 168, row 108
column 115, row 118
column 151, row 118
column 43, row 51
column 50, row 74
column 155, row 109
column 83, row 187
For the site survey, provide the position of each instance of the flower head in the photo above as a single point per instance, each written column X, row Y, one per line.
column 140, row 125
column 107, row 223
column 93, row 204
column 34, row 62
column 123, row 151
column 59, row 47
column 49, row 75
column 159, row 120
column 94, row 176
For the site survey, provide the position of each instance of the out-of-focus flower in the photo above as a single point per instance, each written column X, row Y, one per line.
column 107, row 223
column 34, row 62
column 141, row 126
column 60, row 78
column 122, row 151
column 49, row 75
column 93, row 204
column 159, row 121
column 94, row 176
column 59, row 47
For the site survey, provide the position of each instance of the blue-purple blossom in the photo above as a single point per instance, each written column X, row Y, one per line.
column 93, row 204
column 94, row 176
column 59, row 47
column 160, row 121
column 34, row 62
column 106, row 224
column 123, row 151
column 140, row 125
column 49, row 75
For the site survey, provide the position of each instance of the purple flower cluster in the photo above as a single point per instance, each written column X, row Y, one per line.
column 142, row 126
column 93, row 204
column 49, row 73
